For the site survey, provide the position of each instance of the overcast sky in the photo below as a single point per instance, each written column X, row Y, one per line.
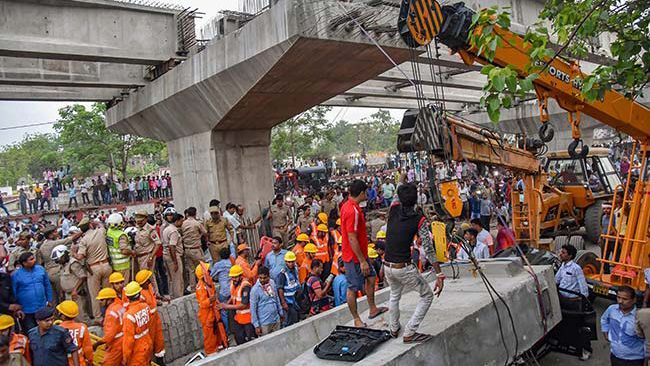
column 25, row 113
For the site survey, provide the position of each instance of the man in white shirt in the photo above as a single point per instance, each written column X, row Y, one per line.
column 388, row 190
column 132, row 191
column 570, row 275
column 483, row 236
column 479, row 250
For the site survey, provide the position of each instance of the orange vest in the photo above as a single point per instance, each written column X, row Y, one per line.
column 299, row 251
column 113, row 333
column 155, row 326
column 242, row 316
column 20, row 344
column 81, row 338
column 137, row 346
column 335, row 262
column 323, row 248
column 249, row 273
column 304, row 270
column 336, row 235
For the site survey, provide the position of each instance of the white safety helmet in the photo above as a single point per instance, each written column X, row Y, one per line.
column 114, row 219
column 169, row 211
column 58, row 252
column 74, row 229
column 131, row 230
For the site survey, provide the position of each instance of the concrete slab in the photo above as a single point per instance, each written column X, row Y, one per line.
column 87, row 30
column 462, row 316
column 288, row 59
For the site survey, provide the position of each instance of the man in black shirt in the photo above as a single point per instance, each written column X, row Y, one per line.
column 404, row 222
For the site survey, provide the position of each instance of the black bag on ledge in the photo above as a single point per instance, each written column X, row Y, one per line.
column 350, row 344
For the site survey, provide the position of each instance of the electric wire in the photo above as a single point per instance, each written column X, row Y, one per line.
column 490, row 289
column 26, row 126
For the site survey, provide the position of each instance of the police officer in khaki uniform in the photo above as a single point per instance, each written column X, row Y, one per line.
column 192, row 231
column 173, row 254
column 23, row 244
column 147, row 243
column 93, row 249
column 72, row 278
column 51, row 241
column 280, row 218
column 218, row 229
column 305, row 219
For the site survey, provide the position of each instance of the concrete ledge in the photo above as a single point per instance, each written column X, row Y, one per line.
column 462, row 316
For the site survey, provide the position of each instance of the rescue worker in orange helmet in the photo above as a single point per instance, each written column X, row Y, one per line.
column 214, row 333
column 69, row 310
column 113, row 334
column 116, row 280
column 18, row 343
column 143, row 278
column 322, row 242
column 240, row 290
column 250, row 273
column 299, row 248
column 321, row 218
column 137, row 346
column 305, row 267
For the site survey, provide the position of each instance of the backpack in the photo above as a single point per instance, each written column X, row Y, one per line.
column 302, row 298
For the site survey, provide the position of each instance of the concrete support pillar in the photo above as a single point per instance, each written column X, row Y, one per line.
column 231, row 166
column 194, row 171
column 244, row 167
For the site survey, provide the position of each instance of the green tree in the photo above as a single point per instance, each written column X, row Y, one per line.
column 87, row 142
column 576, row 24
column 27, row 159
column 297, row 137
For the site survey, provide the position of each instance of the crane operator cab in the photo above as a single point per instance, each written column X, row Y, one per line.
column 595, row 171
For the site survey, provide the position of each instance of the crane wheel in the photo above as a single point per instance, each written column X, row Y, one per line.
column 588, row 261
column 592, row 224
column 546, row 132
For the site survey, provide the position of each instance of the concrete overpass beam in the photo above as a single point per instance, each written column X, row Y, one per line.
column 89, row 30
column 64, row 73
column 232, row 165
column 62, row 94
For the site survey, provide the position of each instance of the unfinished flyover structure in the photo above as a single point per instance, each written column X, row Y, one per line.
column 215, row 103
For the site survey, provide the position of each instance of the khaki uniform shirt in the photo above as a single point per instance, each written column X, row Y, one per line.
column 146, row 239
column 280, row 216
column 46, row 251
column 93, row 246
column 171, row 236
column 217, row 230
column 13, row 258
column 191, row 231
column 304, row 223
column 71, row 272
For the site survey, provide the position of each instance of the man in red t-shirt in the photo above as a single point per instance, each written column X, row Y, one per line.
column 358, row 271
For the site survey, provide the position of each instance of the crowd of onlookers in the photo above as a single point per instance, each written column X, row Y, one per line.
column 56, row 193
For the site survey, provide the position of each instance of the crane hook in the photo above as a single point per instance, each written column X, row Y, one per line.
column 546, row 132
column 584, row 149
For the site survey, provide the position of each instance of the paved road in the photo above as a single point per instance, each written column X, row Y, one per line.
column 600, row 357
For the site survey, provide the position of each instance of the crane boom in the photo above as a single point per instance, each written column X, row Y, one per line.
column 561, row 80
column 626, row 247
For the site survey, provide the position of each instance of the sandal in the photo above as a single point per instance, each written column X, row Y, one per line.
column 380, row 311
column 417, row 338
column 395, row 334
